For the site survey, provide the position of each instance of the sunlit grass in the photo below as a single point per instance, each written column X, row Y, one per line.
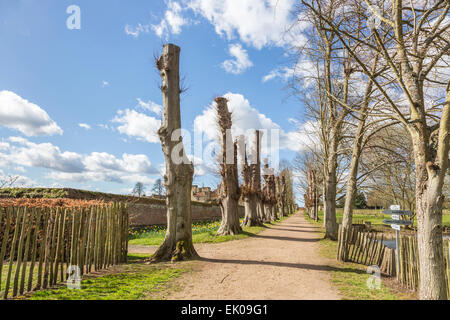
column 202, row 232
column 134, row 281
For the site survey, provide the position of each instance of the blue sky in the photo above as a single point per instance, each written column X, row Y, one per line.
column 80, row 107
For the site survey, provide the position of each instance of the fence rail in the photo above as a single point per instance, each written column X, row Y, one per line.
column 41, row 246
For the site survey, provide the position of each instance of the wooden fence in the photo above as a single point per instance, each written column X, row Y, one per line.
column 40, row 246
column 365, row 248
column 409, row 274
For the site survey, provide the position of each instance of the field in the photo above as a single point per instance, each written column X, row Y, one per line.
column 376, row 216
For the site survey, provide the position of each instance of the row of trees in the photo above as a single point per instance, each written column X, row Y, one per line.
column 378, row 94
column 262, row 204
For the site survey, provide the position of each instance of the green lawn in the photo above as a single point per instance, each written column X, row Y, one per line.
column 351, row 278
column 202, row 232
column 376, row 216
column 134, row 281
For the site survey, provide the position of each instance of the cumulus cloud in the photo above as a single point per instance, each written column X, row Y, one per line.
column 150, row 106
column 97, row 166
column 240, row 63
column 172, row 22
column 138, row 125
column 246, row 119
column 258, row 23
column 21, row 115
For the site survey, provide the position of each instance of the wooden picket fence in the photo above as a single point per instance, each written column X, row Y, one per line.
column 365, row 248
column 41, row 246
column 409, row 274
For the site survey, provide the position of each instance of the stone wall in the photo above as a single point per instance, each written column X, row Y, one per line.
column 155, row 214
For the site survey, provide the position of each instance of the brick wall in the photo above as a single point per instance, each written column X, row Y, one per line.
column 155, row 214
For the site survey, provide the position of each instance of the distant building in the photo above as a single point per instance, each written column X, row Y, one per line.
column 203, row 194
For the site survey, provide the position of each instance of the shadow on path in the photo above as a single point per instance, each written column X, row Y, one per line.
column 284, row 238
column 284, row 265
column 293, row 230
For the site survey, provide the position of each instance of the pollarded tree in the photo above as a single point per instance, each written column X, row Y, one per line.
column 229, row 191
column 269, row 194
column 251, row 176
column 177, row 243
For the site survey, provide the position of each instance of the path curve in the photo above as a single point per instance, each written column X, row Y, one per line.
column 280, row 263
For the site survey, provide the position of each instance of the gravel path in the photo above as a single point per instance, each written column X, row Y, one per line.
column 280, row 263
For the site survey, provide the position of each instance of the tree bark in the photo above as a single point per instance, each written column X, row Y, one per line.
column 229, row 191
column 252, row 184
column 177, row 244
column 430, row 175
column 331, row 227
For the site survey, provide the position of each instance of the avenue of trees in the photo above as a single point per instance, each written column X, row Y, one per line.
column 263, row 203
column 378, row 98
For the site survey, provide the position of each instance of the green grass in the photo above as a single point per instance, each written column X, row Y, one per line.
column 375, row 217
column 350, row 278
column 134, row 281
column 202, row 232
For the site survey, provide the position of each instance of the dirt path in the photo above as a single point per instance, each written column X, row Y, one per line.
column 281, row 262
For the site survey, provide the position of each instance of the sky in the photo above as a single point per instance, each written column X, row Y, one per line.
column 80, row 103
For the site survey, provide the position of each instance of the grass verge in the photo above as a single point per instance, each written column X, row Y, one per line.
column 351, row 279
column 133, row 281
column 202, row 232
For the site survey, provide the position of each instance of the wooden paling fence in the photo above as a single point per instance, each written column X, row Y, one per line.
column 409, row 274
column 41, row 245
column 365, row 248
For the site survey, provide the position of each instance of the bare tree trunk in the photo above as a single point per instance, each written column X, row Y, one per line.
column 430, row 177
column 177, row 244
column 331, row 227
column 229, row 187
column 252, row 184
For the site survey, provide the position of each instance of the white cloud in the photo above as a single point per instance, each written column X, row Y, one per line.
column 246, row 119
column 138, row 125
column 44, row 155
column 20, row 114
column 304, row 69
column 172, row 22
column 84, row 126
column 258, row 23
column 150, row 106
column 136, row 31
column 105, row 84
column 76, row 167
column 241, row 61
